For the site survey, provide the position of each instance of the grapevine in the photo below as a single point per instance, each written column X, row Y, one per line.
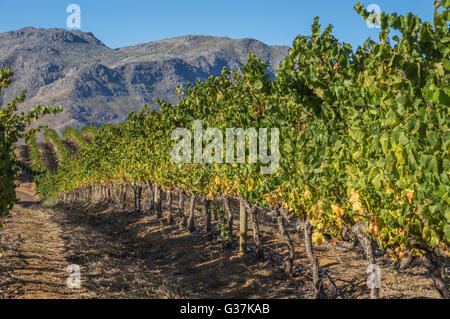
column 364, row 140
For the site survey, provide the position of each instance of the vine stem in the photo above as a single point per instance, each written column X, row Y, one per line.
column 360, row 228
column 289, row 262
column 183, row 220
column 191, row 219
column 252, row 210
column 208, row 215
column 431, row 262
column 157, row 202
column 169, row 206
column 229, row 211
column 317, row 283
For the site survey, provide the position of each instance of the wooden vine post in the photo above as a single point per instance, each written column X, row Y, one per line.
column 243, row 229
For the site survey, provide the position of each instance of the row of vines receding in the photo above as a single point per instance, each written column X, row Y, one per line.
column 363, row 139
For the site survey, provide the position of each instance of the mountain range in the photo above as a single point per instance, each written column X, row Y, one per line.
column 96, row 85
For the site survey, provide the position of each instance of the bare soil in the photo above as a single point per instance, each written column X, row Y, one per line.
column 135, row 255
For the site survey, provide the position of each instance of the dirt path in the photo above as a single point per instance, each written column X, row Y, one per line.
column 25, row 196
column 42, row 242
column 34, row 265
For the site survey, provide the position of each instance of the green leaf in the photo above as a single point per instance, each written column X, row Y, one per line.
column 403, row 140
column 447, row 231
column 447, row 215
column 429, row 162
column 258, row 84
column 444, row 98
column 391, row 119
column 375, row 177
column 446, row 63
column 384, row 141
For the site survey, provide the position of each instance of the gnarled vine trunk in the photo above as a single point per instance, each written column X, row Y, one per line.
column 256, row 231
column 157, row 202
column 191, row 219
column 431, row 262
column 289, row 262
column 229, row 211
column 149, row 197
column 359, row 229
column 169, row 207
column 317, row 282
column 183, row 220
column 208, row 215
column 139, row 197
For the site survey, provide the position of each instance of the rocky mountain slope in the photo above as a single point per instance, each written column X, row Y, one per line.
column 95, row 84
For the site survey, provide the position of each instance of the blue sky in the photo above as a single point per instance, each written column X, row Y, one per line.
column 121, row 23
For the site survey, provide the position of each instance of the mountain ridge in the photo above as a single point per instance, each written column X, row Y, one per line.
column 96, row 84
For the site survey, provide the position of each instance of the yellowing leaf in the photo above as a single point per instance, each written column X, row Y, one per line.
column 317, row 238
